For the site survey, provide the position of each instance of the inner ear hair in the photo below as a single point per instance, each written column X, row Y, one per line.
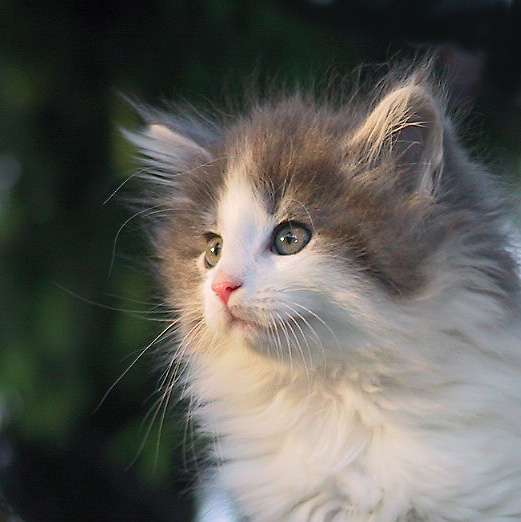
column 406, row 127
column 177, row 140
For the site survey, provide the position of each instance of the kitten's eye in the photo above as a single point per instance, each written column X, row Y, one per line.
column 290, row 238
column 213, row 251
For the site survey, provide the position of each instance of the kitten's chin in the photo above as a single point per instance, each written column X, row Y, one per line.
column 242, row 326
column 245, row 329
column 262, row 339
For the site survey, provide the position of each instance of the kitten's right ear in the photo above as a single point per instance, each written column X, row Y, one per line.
column 168, row 149
column 406, row 128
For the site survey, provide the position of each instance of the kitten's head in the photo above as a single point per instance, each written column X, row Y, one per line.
column 307, row 230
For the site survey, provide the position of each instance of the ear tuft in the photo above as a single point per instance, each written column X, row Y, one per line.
column 170, row 148
column 161, row 132
column 178, row 144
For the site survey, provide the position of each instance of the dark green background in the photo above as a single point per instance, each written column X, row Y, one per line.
column 63, row 338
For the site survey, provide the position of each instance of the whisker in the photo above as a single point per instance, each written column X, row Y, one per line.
column 168, row 382
column 153, row 304
column 312, row 330
column 272, row 338
column 125, row 223
column 140, row 314
column 120, row 186
column 286, row 335
column 273, row 335
column 298, row 343
column 141, row 353
column 144, row 439
column 318, row 318
column 176, row 358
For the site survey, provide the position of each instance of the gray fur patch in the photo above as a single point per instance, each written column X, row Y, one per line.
column 366, row 199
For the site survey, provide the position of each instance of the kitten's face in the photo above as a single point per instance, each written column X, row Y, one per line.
column 284, row 243
column 272, row 281
column 300, row 230
column 286, row 240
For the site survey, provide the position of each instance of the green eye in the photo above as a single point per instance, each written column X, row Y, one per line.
column 290, row 238
column 213, row 251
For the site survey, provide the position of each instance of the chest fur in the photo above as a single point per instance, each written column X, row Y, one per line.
column 310, row 450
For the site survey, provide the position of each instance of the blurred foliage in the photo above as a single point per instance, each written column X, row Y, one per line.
column 64, row 338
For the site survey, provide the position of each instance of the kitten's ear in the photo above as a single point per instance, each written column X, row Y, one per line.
column 170, row 149
column 406, row 128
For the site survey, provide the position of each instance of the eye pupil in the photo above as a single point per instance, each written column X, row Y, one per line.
column 213, row 251
column 290, row 238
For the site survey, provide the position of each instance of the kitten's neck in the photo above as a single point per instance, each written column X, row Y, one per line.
column 245, row 381
column 318, row 435
column 294, row 435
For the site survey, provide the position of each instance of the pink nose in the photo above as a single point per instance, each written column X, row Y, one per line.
column 224, row 286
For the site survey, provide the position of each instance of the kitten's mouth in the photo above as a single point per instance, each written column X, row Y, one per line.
column 235, row 320
column 238, row 321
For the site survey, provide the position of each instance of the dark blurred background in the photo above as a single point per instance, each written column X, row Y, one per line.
column 73, row 316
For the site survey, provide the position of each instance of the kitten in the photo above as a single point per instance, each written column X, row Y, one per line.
column 348, row 305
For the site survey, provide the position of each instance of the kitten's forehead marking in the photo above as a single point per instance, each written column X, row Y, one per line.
column 242, row 219
column 254, row 165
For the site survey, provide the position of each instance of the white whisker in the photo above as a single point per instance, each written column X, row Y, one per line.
column 141, row 353
column 282, row 350
column 298, row 342
column 318, row 318
column 284, row 331
column 311, row 328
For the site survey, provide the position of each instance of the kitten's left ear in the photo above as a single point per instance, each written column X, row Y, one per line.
column 171, row 147
column 406, row 128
